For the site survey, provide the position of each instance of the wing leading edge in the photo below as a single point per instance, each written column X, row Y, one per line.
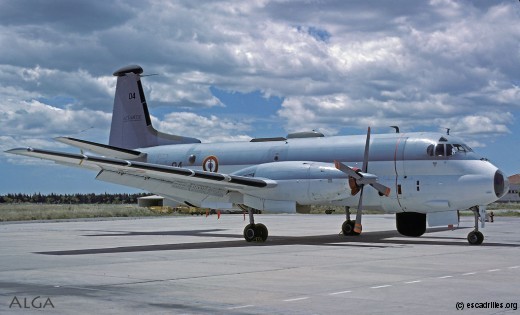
column 103, row 149
column 148, row 170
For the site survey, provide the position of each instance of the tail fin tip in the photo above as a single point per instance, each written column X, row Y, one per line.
column 128, row 69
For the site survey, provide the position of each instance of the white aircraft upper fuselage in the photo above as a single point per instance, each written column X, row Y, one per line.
column 420, row 180
column 419, row 176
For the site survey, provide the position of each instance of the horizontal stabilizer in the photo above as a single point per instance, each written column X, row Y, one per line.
column 102, row 149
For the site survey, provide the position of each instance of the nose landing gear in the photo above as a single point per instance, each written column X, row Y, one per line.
column 255, row 233
column 476, row 237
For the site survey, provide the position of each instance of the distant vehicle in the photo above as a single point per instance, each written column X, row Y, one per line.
column 421, row 177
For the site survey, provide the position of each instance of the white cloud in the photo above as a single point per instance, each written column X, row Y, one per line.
column 187, row 90
column 491, row 123
column 207, row 129
column 36, row 119
column 417, row 64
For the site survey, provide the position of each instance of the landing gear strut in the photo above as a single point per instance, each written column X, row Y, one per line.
column 348, row 226
column 475, row 237
column 254, row 232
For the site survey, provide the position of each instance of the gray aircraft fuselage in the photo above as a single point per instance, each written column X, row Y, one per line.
column 422, row 177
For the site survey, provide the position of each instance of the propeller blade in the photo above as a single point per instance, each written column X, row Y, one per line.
column 347, row 170
column 359, row 214
column 357, row 225
column 367, row 147
column 381, row 188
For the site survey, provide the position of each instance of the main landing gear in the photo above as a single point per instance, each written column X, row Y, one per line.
column 348, row 226
column 476, row 237
column 254, row 232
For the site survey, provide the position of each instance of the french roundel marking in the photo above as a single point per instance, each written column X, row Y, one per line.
column 210, row 164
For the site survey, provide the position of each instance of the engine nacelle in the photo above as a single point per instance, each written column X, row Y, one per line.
column 303, row 182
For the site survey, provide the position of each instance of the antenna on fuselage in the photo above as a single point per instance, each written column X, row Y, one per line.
column 396, row 128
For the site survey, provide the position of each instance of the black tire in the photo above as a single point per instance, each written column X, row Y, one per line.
column 475, row 238
column 261, row 232
column 348, row 228
column 249, row 232
column 410, row 223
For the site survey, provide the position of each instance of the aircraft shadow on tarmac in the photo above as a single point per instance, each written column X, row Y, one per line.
column 379, row 239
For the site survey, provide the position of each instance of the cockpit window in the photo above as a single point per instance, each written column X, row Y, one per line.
column 458, row 148
column 429, row 149
column 447, row 149
column 439, row 150
column 467, row 148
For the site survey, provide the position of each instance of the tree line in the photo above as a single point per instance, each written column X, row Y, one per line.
column 72, row 198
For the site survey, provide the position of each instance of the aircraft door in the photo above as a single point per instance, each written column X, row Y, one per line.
column 399, row 156
column 400, row 177
column 412, row 185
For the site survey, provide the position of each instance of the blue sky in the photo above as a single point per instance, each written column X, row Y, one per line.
column 234, row 70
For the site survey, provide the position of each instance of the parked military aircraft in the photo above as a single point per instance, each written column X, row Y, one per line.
column 421, row 177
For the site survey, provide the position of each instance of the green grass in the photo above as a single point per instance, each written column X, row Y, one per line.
column 508, row 213
column 504, row 206
column 27, row 211
column 499, row 209
column 497, row 213
column 340, row 210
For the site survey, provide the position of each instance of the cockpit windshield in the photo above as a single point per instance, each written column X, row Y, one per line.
column 447, row 149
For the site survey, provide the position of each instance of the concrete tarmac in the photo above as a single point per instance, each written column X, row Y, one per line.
column 199, row 265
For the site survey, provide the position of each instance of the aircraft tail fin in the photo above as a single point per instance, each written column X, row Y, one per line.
column 131, row 124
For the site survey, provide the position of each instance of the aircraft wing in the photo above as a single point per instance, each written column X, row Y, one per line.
column 102, row 149
column 167, row 175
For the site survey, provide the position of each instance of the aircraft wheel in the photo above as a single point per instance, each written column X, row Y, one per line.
column 410, row 223
column 255, row 233
column 261, row 231
column 475, row 237
column 348, row 228
column 249, row 232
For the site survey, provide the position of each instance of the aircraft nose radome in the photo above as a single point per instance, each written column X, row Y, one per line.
column 501, row 184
